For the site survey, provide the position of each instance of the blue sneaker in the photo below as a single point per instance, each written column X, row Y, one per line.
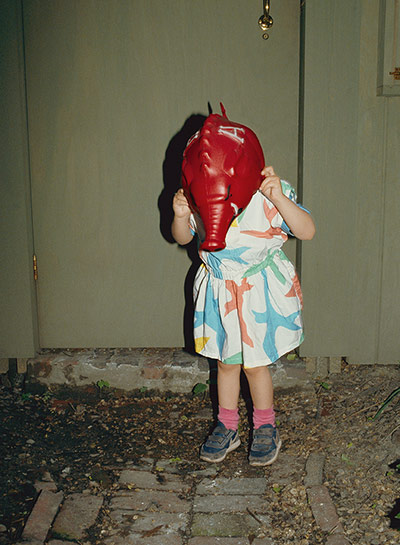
column 219, row 443
column 265, row 447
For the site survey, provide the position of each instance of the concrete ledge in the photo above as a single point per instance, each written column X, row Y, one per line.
column 163, row 369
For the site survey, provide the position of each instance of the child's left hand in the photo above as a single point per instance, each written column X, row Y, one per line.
column 271, row 186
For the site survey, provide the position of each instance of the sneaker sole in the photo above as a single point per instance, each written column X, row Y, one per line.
column 233, row 446
column 260, row 463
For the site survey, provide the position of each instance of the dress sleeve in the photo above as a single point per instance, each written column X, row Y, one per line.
column 192, row 225
column 196, row 226
column 290, row 193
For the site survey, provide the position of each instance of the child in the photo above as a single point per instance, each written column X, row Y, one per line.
column 247, row 309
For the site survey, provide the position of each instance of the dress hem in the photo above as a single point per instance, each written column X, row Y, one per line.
column 255, row 364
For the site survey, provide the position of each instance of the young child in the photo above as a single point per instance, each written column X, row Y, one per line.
column 247, row 309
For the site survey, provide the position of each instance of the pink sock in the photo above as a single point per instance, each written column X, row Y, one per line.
column 228, row 417
column 263, row 416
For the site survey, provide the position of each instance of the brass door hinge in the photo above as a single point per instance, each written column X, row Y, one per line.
column 396, row 73
column 35, row 268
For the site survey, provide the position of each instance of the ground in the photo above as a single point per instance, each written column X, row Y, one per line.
column 80, row 438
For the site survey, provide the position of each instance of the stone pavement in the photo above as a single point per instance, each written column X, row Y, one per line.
column 166, row 502
column 159, row 503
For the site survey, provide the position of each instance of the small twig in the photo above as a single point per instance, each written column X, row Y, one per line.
column 18, row 520
column 318, row 409
column 106, row 512
column 291, row 409
column 392, row 432
column 333, row 529
column 255, row 517
column 363, row 410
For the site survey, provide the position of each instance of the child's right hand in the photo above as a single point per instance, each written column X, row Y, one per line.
column 180, row 205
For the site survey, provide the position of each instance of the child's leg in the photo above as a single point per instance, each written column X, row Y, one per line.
column 228, row 383
column 266, row 442
column 262, row 394
column 261, row 389
column 225, row 437
column 228, row 394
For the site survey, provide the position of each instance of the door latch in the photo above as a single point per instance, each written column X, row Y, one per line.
column 396, row 73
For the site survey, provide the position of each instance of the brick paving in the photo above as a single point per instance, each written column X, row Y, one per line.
column 42, row 516
column 324, row 510
column 77, row 514
column 154, row 504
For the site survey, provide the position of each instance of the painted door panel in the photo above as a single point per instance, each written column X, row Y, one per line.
column 109, row 85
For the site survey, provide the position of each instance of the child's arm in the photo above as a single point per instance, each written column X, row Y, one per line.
column 299, row 221
column 180, row 225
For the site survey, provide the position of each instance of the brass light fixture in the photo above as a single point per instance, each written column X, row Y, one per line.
column 265, row 22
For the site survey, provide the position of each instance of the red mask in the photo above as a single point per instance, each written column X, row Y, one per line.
column 221, row 171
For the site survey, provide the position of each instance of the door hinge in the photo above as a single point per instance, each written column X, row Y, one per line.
column 35, row 268
column 396, row 73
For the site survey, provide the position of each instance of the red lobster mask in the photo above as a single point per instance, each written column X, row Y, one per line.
column 221, row 171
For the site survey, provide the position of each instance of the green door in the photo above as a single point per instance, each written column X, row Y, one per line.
column 110, row 84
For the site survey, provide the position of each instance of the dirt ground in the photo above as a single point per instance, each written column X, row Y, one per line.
column 77, row 437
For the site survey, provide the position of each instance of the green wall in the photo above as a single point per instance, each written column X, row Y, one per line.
column 18, row 327
column 110, row 88
column 351, row 180
column 351, row 166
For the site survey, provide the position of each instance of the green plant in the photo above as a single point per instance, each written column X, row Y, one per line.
column 101, row 384
column 325, row 385
column 47, row 395
column 199, row 388
column 62, row 536
column 386, row 403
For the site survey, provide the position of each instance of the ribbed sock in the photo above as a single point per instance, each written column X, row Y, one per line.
column 228, row 417
column 263, row 416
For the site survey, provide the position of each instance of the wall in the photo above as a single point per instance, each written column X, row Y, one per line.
column 350, row 272
column 351, row 183
column 18, row 326
column 112, row 87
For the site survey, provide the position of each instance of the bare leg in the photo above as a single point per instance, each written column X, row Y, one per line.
column 228, row 385
column 261, row 389
column 225, row 436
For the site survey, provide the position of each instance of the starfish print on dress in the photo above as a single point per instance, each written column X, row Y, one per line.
column 273, row 320
column 210, row 316
column 236, row 303
column 214, row 261
column 295, row 290
column 270, row 214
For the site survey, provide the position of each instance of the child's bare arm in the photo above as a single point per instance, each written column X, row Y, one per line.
column 299, row 221
column 180, row 225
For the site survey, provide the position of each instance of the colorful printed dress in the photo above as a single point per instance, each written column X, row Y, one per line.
column 247, row 296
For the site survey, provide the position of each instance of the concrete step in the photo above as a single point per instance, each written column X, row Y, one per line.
column 163, row 369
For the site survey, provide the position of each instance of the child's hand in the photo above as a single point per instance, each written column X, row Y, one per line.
column 181, row 205
column 271, row 186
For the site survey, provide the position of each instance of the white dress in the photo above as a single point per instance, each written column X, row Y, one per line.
column 247, row 296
